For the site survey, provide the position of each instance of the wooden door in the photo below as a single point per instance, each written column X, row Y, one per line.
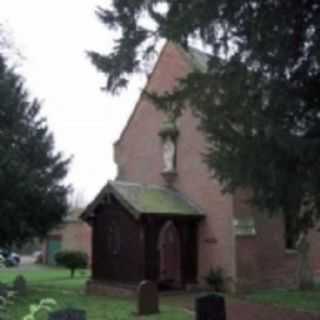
column 170, row 257
column 54, row 246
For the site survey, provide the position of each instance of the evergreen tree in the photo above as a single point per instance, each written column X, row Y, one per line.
column 258, row 101
column 32, row 197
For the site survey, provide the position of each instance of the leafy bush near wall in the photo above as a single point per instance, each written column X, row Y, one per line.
column 72, row 260
column 216, row 279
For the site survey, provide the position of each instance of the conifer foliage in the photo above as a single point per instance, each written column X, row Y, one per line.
column 258, row 101
column 32, row 196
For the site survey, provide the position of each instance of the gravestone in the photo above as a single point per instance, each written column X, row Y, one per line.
column 3, row 290
column 148, row 298
column 68, row 314
column 210, row 307
column 20, row 285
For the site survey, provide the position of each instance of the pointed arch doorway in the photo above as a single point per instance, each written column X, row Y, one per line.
column 170, row 255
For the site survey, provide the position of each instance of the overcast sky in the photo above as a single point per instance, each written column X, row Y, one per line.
column 53, row 36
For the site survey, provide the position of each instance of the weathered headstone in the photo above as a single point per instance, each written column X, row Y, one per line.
column 3, row 290
column 68, row 314
column 20, row 285
column 210, row 307
column 148, row 298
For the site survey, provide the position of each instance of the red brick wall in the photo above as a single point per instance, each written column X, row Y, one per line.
column 262, row 260
column 315, row 252
column 139, row 156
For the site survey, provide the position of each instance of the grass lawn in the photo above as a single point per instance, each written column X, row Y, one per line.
column 299, row 300
column 56, row 284
column 307, row 301
column 45, row 277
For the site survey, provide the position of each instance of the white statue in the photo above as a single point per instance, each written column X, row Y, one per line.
column 169, row 151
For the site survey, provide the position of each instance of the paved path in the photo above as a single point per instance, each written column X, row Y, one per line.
column 28, row 264
column 241, row 310
column 27, row 260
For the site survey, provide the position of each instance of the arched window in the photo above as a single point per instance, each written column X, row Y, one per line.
column 113, row 238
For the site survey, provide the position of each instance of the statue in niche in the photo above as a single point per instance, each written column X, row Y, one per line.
column 169, row 153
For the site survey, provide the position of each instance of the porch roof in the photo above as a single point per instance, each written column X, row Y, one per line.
column 142, row 199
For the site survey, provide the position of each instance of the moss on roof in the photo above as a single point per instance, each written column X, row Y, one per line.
column 148, row 199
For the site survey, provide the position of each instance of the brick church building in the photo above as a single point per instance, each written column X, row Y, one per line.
column 165, row 219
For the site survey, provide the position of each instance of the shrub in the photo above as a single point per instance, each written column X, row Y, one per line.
column 72, row 260
column 6, row 299
column 44, row 305
column 216, row 279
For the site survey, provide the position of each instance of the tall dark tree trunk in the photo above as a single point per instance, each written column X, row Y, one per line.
column 296, row 235
column 72, row 273
column 305, row 277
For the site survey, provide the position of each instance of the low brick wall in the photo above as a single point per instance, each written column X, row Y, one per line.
column 237, row 310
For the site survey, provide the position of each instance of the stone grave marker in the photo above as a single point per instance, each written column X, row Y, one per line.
column 210, row 307
column 148, row 298
column 3, row 290
column 68, row 314
column 20, row 285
